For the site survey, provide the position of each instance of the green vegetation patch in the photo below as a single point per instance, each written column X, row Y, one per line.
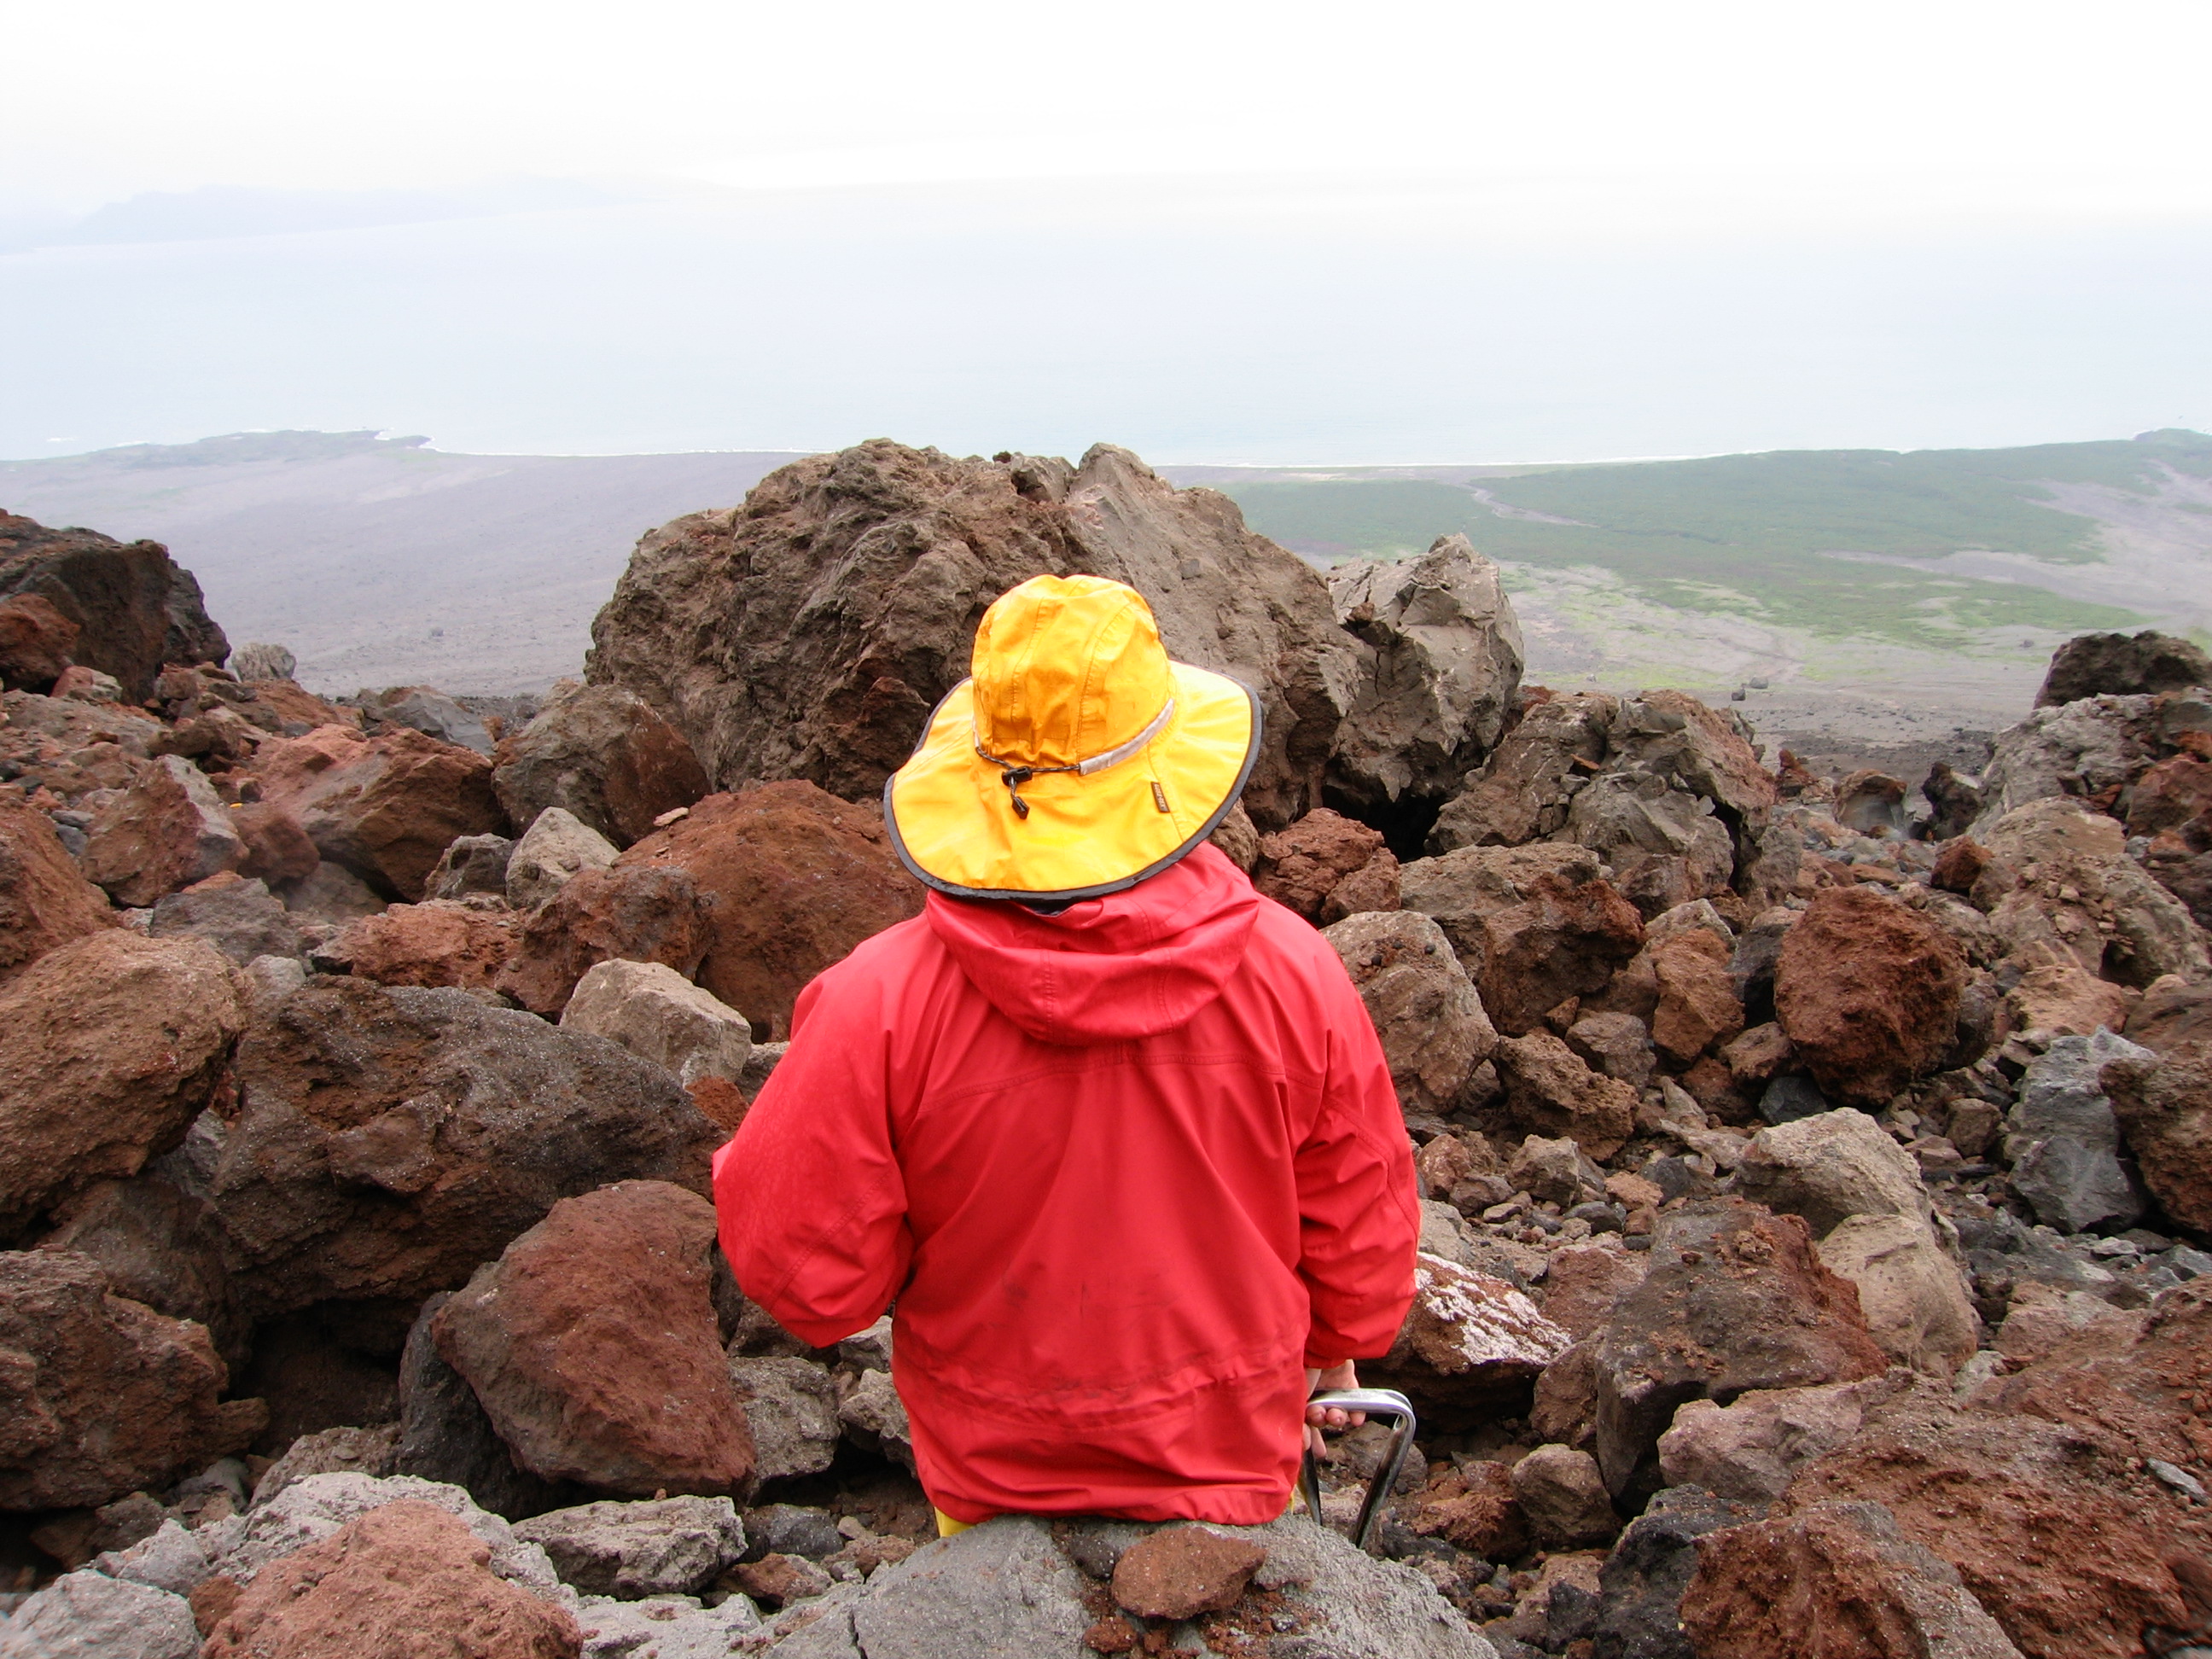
column 1753, row 534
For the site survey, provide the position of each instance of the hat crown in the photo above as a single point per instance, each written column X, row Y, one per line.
column 1066, row 668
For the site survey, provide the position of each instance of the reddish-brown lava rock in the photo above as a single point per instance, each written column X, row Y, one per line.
column 1583, row 1282
column 2143, row 1386
column 2165, row 1109
column 44, row 900
column 604, row 754
column 1471, row 1507
column 1549, row 1091
column 1698, row 1006
column 721, row 1100
column 405, row 1581
column 386, row 807
column 2056, row 1529
column 1735, row 1298
column 167, row 830
column 276, row 847
column 776, row 1580
column 592, row 1345
column 798, row 878
column 1564, row 938
column 808, row 633
column 1868, row 992
column 134, row 608
column 638, row 913
column 109, row 1046
column 101, row 1395
column 2170, row 795
column 1179, row 1572
column 388, row 1139
column 1470, row 1349
column 438, row 942
column 1839, row 1581
column 34, row 642
column 1327, row 868
column 1959, row 865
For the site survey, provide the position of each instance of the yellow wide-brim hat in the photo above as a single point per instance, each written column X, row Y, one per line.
column 1077, row 759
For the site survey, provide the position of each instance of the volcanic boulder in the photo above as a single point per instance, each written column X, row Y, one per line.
column 593, row 1345
column 1834, row 1580
column 1868, row 992
column 2122, row 664
column 405, row 1566
column 437, row 942
column 1524, row 790
column 1736, row 1299
column 2012, row 1501
column 602, row 753
column 1433, row 1030
column 44, row 901
column 384, row 807
column 808, row 633
column 797, row 878
column 1549, row 1091
column 1471, row 1346
column 655, row 1012
column 239, row 918
column 636, row 913
column 1445, row 672
column 102, row 1395
column 1534, row 925
column 167, row 830
column 35, row 639
column 388, row 1140
column 133, row 607
column 109, row 1046
column 1327, row 868
column 552, row 852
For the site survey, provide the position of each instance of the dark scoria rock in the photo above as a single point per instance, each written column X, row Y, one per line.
column 2122, row 664
column 387, row 1140
column 1736, row 1299
column 808, row 633
column 134, row 608
column 604, row 754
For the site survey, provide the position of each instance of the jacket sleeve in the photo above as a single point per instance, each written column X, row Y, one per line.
column 1358, row 1203
column 809, row 1199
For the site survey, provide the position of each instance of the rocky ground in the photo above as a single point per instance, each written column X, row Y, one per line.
column 1815, row 1166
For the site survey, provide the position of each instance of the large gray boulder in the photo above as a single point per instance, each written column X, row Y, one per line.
column 2063, row 1140
column 88, row 1615
column 1011, row 1589
column 659, row 1546
column 1445, row 670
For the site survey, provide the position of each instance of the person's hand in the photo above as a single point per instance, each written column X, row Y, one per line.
column 1330, row 1416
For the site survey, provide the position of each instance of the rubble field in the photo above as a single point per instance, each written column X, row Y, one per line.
column 1816, row 1169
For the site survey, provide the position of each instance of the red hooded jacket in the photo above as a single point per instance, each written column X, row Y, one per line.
column 1127, row 1171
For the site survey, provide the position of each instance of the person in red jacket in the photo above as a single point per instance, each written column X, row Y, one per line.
column 1112, row 1131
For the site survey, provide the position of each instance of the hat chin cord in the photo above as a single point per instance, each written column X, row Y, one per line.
column 1015, row 774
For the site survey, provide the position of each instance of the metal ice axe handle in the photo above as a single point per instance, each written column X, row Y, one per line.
column 1375, row 1402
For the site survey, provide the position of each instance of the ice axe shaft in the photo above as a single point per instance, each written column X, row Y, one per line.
column 1375, row 1402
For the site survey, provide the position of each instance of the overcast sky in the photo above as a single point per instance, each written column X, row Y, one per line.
column 1546, row 145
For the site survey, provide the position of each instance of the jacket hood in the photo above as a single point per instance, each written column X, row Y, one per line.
column 1132, row 964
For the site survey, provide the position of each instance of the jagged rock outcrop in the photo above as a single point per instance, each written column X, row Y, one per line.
column 1444, row 674
column 134, row 608
column 808, row 633
column 2122, row 664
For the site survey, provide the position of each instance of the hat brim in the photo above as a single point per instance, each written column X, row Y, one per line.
column 953, row 824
